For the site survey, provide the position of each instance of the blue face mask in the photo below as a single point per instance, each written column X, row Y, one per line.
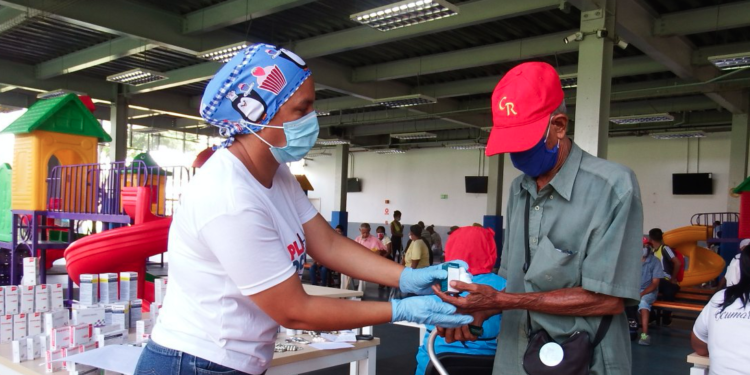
column 536, row 161
column 301, row 135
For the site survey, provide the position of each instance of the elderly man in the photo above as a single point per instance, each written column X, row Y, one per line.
column 367, row 240
column 571, row 253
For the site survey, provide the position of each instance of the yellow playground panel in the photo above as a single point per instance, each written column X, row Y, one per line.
column 703, row 265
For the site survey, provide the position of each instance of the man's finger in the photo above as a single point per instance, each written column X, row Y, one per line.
column 464, row 287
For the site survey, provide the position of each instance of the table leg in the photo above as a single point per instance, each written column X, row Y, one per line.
column 422, row 332
column 365, row 366
column 698, row 370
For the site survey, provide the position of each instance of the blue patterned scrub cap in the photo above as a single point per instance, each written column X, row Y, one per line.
column 250, row 88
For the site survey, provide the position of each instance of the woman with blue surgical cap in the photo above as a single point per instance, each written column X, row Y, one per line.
column 239, row 238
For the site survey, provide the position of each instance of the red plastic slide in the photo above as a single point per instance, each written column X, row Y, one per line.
column 122, row 249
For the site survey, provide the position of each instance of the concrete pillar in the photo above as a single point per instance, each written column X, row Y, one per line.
column 594, row 79
column 738, row 155
column 339, row 215
column 119, row 121
column 494, row 215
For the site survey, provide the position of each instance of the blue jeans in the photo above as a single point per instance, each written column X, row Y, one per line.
column 158, row 360
column 323, row 274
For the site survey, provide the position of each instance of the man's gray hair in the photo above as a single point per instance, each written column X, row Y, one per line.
column 560, row 110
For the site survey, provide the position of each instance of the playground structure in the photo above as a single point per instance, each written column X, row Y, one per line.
column 701, row 264
column 57, row 184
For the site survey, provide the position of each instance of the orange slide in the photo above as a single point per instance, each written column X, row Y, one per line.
column 123, row 249
column 703, row 265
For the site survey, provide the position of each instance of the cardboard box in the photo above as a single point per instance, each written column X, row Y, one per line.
column 92, row 315
column 117, row 337
column 121, row 315
column 56, row 301
column 55, row 319
column 81, row 334
column 136, row 311
column 26, row 299
column 33, row 347
column 108, row 284
column 69, row 351
column 41, row 298
column 20, row 324
column 30, row 271
column 59, row 338
column 12, row 294
column 19, row 351
column 143, row 330
column 89, row 289
column 34, row 325
column 160, row 290
column 49, row 357
column 128, row 286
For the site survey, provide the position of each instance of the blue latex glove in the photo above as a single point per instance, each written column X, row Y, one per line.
column 427, row 310
column 419, row 281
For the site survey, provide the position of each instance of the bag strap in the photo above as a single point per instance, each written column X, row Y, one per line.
column 606, row 320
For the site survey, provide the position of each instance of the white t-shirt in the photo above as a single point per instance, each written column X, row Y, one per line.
column 733, row 271
column 727, row 335
column 231, row 238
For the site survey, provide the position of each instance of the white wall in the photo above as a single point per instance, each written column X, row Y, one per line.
column 413, row 182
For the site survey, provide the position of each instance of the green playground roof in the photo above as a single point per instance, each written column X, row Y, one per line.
column 62, row 114
column 743, row 187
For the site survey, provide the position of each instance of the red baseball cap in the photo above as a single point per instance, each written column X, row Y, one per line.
column 522, row 103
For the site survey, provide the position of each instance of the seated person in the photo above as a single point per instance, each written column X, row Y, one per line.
column 722, row 330
column 476, row 246
column 367, row 240
column 385, row 240
column 651, row 273
column 314, row 269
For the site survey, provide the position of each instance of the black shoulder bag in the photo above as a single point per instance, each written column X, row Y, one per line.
column 544, row 356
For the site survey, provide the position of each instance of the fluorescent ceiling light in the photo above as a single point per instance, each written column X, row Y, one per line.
column 331, row 142
column 412, row 136
column 569, row 81
column 56, row 93
column 136, row 77
column 322, row 113
column 405, row 13
column 681, row 135
column 223, row 54
column 145, row 115
column 474, row 146
column 642, row 119
column 390, row 151
column 358, row 149
column 175, row 114
column 406, row 101
column 149, row 131
column 730, row 62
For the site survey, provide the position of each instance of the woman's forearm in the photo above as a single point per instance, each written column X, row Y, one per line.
column 325, row 314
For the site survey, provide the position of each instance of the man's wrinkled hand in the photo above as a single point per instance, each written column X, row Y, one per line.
column 463, row 333
column 480, row 298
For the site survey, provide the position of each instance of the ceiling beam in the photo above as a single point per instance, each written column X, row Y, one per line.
column 92, row 56
column 10, row 18
column 126, row 18
column 701, row 20
column 233, row 12
column 467, row 58
column 24, row 76
column 700, row 56
column 180, row 77
column 472, row 13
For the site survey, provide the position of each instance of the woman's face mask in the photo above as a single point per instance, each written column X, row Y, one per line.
column 381, row 236
column 300, row 138
column 538, row 160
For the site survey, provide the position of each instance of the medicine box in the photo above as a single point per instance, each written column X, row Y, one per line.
column 6, row 328
column 41, row 298
column 136, row 311
column 26, row 299
column 2, row 300
column 81, row 334
column 30, row 271
column 19, row 351
column 56, row 296
column 59, row 338
column 143, row 330
column 153, row 312
column 108, row 283
column 128, row 286
column 20, row 323
column 33, row 347
column 34, row 325
column 107, row 315
column 121, row 315
column 12, row 293
column 67, row 352
column 117, row 337
column 160, row 290
column 55, row 319
column 91, row 315
column 49, row 357
column 89, row 289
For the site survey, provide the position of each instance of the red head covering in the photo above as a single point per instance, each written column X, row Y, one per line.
column 474, row 245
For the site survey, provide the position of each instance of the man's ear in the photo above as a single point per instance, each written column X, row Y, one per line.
column 560, row 125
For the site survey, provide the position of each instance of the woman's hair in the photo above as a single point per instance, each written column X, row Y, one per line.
column 741, row 290
column 416, row 230
column 379, row 229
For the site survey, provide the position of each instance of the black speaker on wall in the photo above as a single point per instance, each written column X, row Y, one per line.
column 353, row 185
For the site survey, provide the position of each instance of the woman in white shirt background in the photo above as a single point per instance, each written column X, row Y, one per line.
column 722, row 331
column 240, row 236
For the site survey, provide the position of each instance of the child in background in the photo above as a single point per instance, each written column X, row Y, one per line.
column 476, row 246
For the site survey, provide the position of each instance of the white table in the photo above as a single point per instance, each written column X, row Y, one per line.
column 361, row 359
column 422, row 329
column 700, row 364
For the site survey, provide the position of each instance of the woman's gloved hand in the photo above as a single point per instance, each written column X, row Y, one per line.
column 419, row 281
column 427, row 310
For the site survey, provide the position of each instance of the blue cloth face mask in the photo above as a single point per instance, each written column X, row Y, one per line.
column 301, row 135
column 538, row 160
